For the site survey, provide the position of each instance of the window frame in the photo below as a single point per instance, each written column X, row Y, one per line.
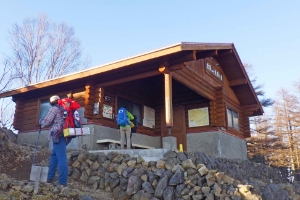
column 47, row 97
column 140, row 118
column 231, row 119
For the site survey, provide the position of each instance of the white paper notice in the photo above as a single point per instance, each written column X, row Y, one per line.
column 149, row 117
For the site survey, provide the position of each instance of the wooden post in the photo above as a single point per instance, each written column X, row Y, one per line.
column 168, row 101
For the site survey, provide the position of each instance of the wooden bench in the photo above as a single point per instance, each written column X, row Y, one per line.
column 118, row 142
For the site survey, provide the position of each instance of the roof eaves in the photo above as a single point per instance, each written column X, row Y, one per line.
column 98, row 69
column 246, row 76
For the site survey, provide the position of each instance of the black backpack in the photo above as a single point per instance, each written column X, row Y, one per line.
column 135, row 122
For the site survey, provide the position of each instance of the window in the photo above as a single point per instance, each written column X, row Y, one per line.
column 135, row 109
column 232, row 119
column 45, row 106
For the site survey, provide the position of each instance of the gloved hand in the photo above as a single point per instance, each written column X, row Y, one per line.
column 40, row 121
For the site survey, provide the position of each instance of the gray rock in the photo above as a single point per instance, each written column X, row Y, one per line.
column 178, row 190
column 161, row 186
column 273, row 191
column 70, row 170
column 111, row 155
column 94, row 179
column 140, row 160
column 147, row 187
column 106, row 164
column 188, row 164
column 142, row 195
column 102, row 184
column 81, row 157
column 123, row 183
column 107, row 178
column 101, row 171
column 114, row 182
column 169, row 193
column 27, row 188
column 170, row 154
column 76, row 174
column 181, row 156
column 84, row 177
column 95, row 166
column 101, row 158
column 127, row 171
column 114, row 175
column 85, row 197
column 177, row 178
column 118, row 159
column 91, row 157
column 159, row 172
column 138, row 172
column 191, row 171
column 134, row 185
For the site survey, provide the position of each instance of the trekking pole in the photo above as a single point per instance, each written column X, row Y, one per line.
column 37, row 142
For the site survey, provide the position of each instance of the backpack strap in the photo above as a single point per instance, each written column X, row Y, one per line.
column 62, row 116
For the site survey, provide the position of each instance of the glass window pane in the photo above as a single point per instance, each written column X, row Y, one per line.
column 44, row 108
column 235, row 120
column 229, row 117
column 81, row 114
column 135, row 109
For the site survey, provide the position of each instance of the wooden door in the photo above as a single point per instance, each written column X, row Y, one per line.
column 179, row 129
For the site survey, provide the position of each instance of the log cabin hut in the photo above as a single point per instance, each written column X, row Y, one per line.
column 198, row 93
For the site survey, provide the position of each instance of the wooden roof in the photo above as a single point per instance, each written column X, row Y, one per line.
column 127, row 68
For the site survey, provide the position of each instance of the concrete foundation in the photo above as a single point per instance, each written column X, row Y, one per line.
column 169, row 142
column 217, row 144
column 89, row 142
column 146, row 154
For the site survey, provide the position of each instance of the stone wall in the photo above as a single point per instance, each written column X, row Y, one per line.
column 179, row 175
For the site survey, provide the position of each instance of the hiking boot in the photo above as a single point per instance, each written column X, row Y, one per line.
column 49, row 181
column 58, row 185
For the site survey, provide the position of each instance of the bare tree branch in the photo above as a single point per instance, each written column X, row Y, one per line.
column 42, row 50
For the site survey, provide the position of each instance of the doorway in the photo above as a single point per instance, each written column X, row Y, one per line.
column 179, row 128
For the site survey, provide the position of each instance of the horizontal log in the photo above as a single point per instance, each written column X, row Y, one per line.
column 248, row 113
column 212, row 103
column 193, row 86
column 32, row 113
column 98, row 116
column 26, row 109
column 79, row 94
column 31, row 103
column 79, row 99
column 192, row 83
column 29, row 121
column 193, row 75
column 220, row 106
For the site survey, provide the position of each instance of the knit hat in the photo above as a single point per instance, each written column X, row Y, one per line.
column 54, row 98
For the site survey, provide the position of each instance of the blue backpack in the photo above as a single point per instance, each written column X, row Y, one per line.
column 122, row 117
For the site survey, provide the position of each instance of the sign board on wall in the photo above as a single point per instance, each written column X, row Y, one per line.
column 149, row 117
column 96, row 108
column 198, row 117
column 107, row 111
column 213, row 70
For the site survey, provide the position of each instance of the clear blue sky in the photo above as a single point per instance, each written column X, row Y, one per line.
column 265, row 33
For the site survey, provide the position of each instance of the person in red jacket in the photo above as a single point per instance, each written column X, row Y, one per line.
column 71, row 107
